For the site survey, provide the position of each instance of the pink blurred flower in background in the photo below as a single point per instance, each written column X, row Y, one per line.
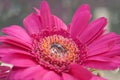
column 48, row 49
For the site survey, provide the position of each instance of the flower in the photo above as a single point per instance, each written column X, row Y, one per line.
column 4, row 72
column 49, row 50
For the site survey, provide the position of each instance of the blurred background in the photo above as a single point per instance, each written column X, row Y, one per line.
column 14, row 11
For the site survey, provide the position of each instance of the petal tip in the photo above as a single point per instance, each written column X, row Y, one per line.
column 44, row 3
column 103, row 19
column 84, row 7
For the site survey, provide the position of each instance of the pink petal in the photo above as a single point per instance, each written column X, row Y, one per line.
column 16, row 42
column 94, row 28
column 82, row 8
column 104, row 45
column 48, row 20
column 115, row 51
column 99, row 58
column 6, row 50
column 16, row 73
column 109, row 37
column 59, row 24
column 116, row 61
column 17, row 32
column 20, row 60
column 35, row 73
column 80, row 20
column 3, row 52
column 68, row 77
column 38, row 11
column 4, row 72
column 104, row 53
column 79, row 72
column 99, row 50
column 45, row 15
column 4, row 69
column 32, row 23
column 4, row 76
column 96, row 62
column 51, row 76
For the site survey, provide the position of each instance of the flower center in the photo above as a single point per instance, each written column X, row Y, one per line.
column 56, row 52
column 57, row 49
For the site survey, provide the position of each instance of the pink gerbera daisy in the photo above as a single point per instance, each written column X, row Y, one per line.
column 49, row 50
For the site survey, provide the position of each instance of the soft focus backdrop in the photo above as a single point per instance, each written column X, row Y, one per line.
column 14, row 11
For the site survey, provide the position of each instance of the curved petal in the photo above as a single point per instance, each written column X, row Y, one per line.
column 19, row 60
column 38, row 11
column 105, row 44
column 80, row 20
column 45, row 15
column 109, row 37
column 51, row 76
column 4, row 69
column 17, row 32
column 6, row 50
column 84, row 7
column 79, row 72
column 35, row 73
column 4, row 72
column 15, row 73
column 32, row 23
column 107, row 63
column 115, row 51
column 48, row 20
column 93, row 31
column 31, row 73
column 68, row 77
column 3, row 52
column 105, row 53
column 59, row 24
column 15, row 41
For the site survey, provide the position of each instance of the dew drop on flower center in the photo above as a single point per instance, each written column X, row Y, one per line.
column 57, row 51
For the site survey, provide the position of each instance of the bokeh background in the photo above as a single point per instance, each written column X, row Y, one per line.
column 14, row 11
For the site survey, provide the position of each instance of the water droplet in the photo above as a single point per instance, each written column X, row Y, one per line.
column 58, row 49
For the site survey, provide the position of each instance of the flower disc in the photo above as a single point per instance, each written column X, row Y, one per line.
column 57, row 51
